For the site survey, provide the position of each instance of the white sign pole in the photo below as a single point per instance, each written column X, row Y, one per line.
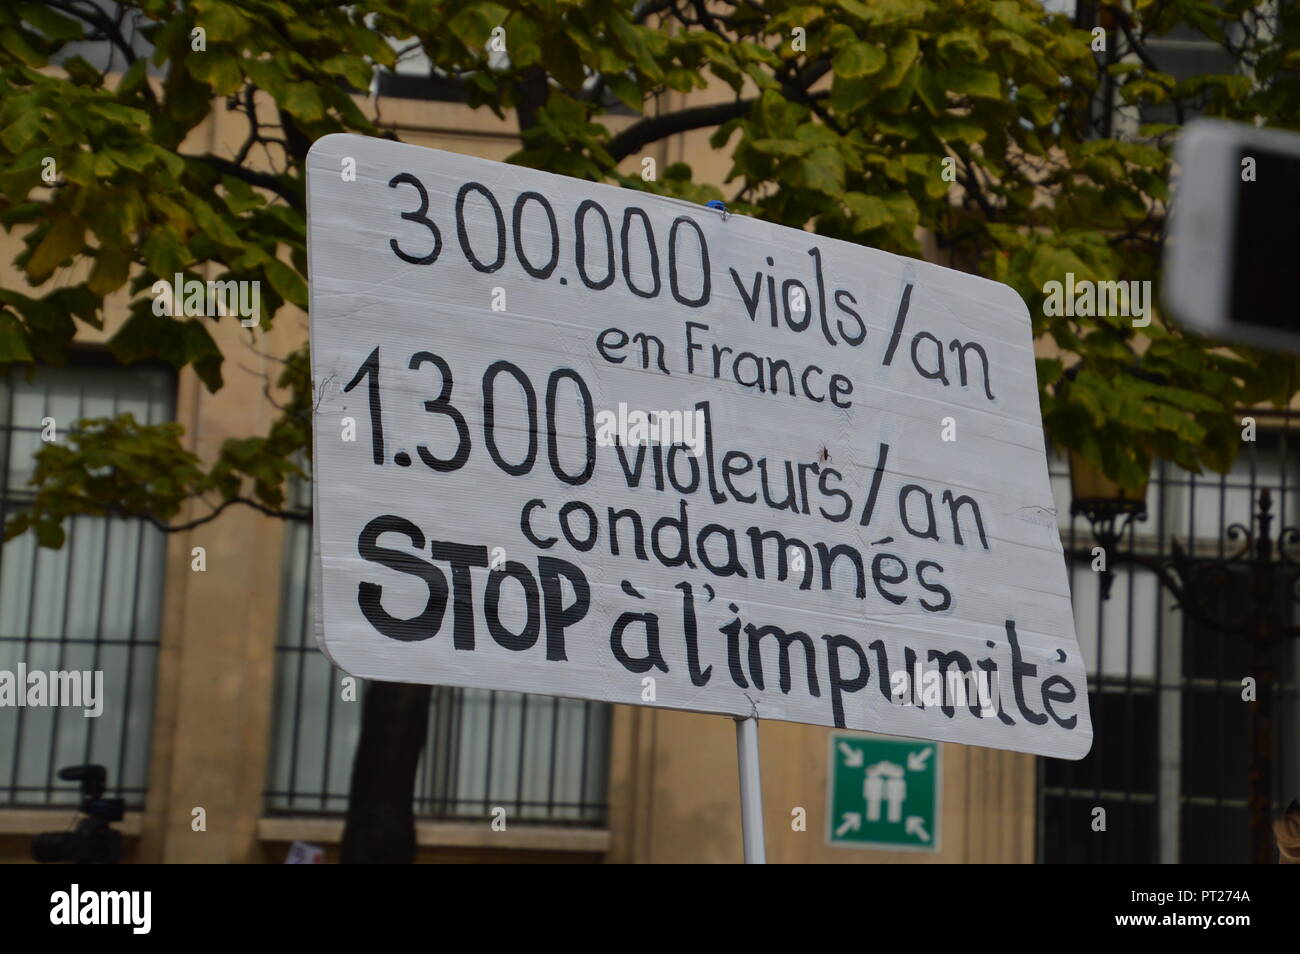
column 751, row 791
column 751, row 783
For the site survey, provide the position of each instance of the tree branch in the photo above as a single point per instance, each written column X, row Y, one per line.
column 973, row 189
column 95, row 17
column 653, row 128
column 199, row 521
column 277, row 184
column 1126, row 24
column 299, row 144
column 531, row 93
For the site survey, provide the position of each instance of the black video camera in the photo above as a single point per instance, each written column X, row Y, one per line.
column 92, row 842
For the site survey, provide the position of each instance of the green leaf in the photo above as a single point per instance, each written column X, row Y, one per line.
column 885, row 11
column 164, row 252
column 179, row 342
column 902, row 55
column 970, row 81
column 53, row 25
column 473, row 26
column 964, row 43
column 22, row 130
column 112, row 267
column 628, row 91
column 352, row 68
column 304, row 102
column 49, row 534
column 823, row 171
column 221, row 21
column 287, row 282
column 13, row 340
column 903, row 208
column 15, row 41
column 213, row 225
column 124, row 114
column 850, row 95
column 240, row 196
column 780, row 147
column 959, row 130
column 868, row 211
column 858, row 59
column 1141, row 155
column 64, row 239
column 218, row 70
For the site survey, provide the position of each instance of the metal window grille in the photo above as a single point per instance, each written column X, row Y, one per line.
column 95, row 604
column 1170, row 747
column 102, row 53
column 1182, row 52
column 541, row 758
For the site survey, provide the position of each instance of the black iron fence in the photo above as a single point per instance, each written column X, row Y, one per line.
column 1166, row 780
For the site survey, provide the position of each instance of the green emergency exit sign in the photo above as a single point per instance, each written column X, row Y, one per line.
column 883, row 793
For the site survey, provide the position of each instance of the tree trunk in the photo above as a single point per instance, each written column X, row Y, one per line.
column 380, row 826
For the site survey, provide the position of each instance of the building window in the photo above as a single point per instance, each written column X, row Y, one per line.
column 106, row 24
column 1182, row 52
column 542, row 758
column 414, row 76
column 93, row 606
column 1170, row 743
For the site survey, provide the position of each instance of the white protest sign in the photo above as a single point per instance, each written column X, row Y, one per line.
column 585, row 441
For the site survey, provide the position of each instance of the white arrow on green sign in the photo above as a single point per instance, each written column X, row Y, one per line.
column 884, row 793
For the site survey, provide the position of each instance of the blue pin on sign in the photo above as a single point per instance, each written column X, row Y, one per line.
column 719, row 205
